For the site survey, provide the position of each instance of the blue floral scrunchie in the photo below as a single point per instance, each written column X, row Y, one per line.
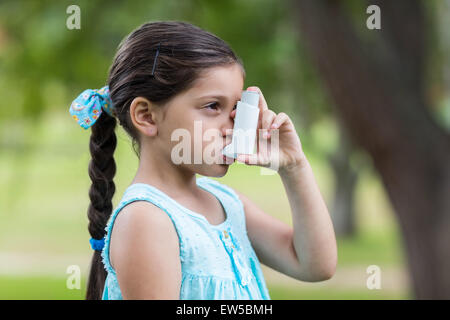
column 88, row 106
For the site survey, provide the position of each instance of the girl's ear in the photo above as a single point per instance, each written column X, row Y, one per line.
column 145, row 116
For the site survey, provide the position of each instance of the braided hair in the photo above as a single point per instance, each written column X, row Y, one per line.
column 102, row 169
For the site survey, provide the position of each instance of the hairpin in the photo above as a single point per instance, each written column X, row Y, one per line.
column 156, row 59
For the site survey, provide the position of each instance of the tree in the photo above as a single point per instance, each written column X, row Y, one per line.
column 376, row 79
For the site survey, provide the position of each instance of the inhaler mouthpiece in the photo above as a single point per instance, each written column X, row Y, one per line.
column 245, row 125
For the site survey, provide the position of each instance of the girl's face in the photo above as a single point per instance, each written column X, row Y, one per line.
column 198, row 121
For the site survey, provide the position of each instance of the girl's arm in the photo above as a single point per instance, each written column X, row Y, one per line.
column 313, row 234
column 307, row 251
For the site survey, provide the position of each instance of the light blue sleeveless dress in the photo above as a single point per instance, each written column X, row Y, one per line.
column 217, row 261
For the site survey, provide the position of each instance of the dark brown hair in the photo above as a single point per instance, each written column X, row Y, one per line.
column 185, row 51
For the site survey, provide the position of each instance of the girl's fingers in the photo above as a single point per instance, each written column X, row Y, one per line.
column 279, row 120
column 268, row 117
column 250, row 159
column 256, row 159
column 262, row 101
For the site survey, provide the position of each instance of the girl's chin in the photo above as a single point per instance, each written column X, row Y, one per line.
column 222, row 173
column 216, row 170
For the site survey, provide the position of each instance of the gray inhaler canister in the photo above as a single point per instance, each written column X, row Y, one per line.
column 245, row 125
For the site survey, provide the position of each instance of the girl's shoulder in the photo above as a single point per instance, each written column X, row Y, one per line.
column 145, row 224
column 142, row 206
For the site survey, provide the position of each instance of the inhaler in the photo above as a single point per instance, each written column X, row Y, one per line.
column 245, row 125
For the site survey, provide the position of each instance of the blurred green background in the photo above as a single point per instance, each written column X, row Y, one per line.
column 44, row 226
column 44, row 153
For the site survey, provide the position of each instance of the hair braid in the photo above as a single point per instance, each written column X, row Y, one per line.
column 102, row 169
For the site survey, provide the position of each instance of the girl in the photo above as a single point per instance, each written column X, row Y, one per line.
column 173, row 235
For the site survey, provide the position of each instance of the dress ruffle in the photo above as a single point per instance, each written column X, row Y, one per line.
column 194, row 287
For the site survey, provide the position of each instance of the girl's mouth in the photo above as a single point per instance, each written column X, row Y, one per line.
column 228, row 160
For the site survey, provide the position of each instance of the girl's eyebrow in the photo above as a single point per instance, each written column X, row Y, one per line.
column 217, row 96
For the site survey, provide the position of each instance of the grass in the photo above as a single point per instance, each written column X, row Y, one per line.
column 284, row 293
column 54, row 288
column 40, row 288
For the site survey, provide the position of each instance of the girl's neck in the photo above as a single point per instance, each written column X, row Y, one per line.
column 165, row 175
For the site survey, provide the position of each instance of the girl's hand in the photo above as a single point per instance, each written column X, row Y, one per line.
column 272, row 126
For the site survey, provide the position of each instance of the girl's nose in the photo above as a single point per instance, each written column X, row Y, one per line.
column 227, row 128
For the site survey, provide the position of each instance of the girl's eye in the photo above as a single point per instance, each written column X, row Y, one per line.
column 212, row 106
